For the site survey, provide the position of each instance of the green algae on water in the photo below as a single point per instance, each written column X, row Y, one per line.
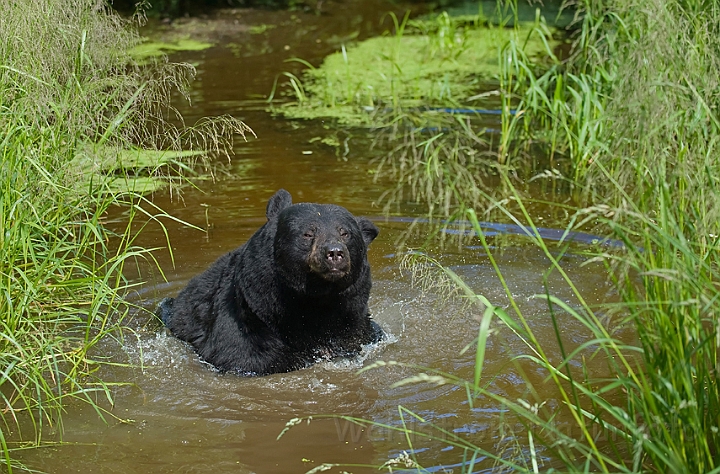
column 150, row 49
column 445, row 65
column 136, row 170
column 260, row 29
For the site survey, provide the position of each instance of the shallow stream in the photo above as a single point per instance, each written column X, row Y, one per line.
column 179, row 416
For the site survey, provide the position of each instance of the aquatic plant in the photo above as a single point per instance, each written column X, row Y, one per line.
column 148, row 49
column 428, row 90
column 72, row 105
column 441, row 63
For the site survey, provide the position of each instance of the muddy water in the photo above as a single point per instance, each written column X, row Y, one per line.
column 176, row 415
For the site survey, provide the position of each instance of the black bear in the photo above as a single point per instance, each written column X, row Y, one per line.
column 296, row 292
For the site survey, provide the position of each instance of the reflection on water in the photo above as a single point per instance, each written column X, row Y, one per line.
column 179, row 416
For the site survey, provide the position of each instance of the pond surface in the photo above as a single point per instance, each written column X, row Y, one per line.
column 179, row 416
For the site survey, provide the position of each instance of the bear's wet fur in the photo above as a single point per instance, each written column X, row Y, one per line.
column 296, row 292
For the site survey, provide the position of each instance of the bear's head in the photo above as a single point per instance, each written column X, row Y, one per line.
column 319, row 248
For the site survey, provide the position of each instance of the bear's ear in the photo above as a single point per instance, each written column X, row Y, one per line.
column 368, row 229
column 279, row 201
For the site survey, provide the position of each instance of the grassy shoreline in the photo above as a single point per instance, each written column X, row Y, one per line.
column 78, row 117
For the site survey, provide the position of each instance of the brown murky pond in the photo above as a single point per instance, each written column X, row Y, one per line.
column 176, row 415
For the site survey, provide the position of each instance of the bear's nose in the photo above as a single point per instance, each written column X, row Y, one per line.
column 334, row 253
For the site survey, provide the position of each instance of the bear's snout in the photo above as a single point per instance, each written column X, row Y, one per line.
column 337, row 265
column 334, row 253
column 330, row 261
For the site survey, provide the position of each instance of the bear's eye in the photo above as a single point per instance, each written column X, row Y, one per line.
column 308, row 234
column 343, row 233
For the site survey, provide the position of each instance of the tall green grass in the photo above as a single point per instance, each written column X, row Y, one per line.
column 655, row 408
column 630, row 118
column 69, row 92
column 641, row 393
column 636, row 110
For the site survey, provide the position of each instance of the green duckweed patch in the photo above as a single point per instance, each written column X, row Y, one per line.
column 440, row 63
column 122, row 170
column 151, row 49
column 260, row 29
